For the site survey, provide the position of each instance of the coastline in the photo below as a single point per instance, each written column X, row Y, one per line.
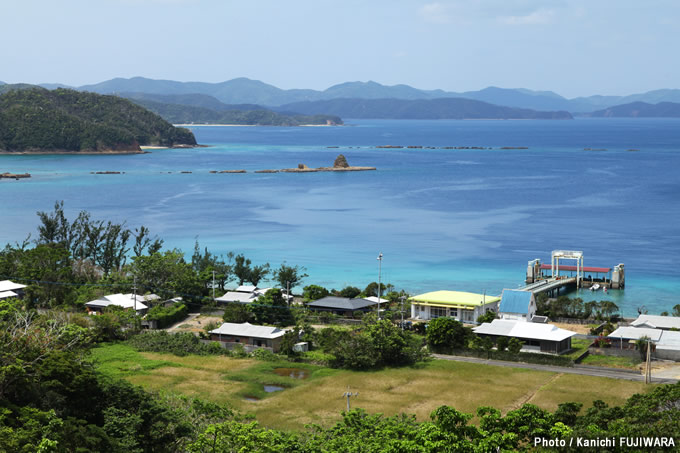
column 80, row 153
column 109, row 152
column 253, row 125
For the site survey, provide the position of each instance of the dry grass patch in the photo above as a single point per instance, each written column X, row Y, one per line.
column 208, row 362
column 204, row 384
column 586, row 389
column 405, row 390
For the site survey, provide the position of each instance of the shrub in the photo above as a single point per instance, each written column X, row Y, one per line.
column 179, row 344
column 515, row 346
column 602, row 342
column 502, row 343
column 167, row 316
column 264, row 354
column 445, row 334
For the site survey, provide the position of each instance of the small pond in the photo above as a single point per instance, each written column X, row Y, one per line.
column 272, row 388
column 295, row 373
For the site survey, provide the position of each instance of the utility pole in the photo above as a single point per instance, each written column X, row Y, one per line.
column 288, row 293
column 349, row 394
column 213, row 285
column 402, row 297
column 380, row 258
column 134, row 294
column 648, row 364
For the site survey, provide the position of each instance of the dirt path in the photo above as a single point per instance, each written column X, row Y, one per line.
column 526, row 398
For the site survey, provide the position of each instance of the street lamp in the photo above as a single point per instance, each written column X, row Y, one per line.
column 380, row 258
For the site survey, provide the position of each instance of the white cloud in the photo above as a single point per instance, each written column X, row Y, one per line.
column 538, row 17
column 436, row 13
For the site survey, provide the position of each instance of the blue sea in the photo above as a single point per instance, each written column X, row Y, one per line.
column 458, row 219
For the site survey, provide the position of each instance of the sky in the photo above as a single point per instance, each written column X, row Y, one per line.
column 572, row 47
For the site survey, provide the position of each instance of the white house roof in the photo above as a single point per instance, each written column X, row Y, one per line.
column 235, row 296
column 120, row 300
column 6, row 285
column 249, row 330
column 246, row 289
column 657, row 322
column 635, row 333
column 374, row 299
column 520, row 329
column 669, row 340
column 7, row 294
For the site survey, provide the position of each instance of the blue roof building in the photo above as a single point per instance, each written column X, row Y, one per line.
column 517, row 305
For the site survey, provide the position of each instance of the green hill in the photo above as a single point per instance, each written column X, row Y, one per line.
column 61, row 120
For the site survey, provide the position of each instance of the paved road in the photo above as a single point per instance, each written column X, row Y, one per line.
column 583, row 370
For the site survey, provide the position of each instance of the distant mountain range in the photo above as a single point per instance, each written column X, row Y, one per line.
column 441, row 108
column 200, row 108
column 247, row 91
column 640, row 110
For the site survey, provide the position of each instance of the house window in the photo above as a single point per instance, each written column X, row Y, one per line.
column 453, row 312
column 422, row 308
column 436, row 312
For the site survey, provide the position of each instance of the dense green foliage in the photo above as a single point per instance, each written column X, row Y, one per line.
column 167, row 316
column 446, row 334
column 565, row 307
column 180, row 344
column 314, row 292
column 51, row 398
column 376, row 343
column 185, row 114
column 36, row 119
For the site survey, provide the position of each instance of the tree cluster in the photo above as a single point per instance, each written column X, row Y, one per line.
column 565, row 307
column 72, row 262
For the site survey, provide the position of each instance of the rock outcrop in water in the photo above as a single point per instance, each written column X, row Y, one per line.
column 340, row 162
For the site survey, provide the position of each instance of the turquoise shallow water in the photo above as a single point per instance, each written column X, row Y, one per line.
column 444, row 219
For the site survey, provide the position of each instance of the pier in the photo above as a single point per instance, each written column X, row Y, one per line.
column 551, row 278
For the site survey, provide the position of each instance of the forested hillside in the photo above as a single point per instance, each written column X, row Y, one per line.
column 185, row 114
column 36, row 119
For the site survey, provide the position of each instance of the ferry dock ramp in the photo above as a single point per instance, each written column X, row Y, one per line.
column 551, row 278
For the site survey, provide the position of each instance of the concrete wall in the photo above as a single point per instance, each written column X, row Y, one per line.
column 667, row 354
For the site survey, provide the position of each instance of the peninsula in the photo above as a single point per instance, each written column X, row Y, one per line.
column 36, row 120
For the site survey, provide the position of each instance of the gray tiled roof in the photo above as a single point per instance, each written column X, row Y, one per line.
column 341, row 303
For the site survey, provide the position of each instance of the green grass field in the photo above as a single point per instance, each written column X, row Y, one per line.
column 318, row 399
column 612, row 361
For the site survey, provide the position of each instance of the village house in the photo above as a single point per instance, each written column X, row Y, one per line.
column 517, row 305
column 245, row 294
column 136, row 302
column 537, row 337
column 657, row 322
column 248, row 335
column 342, row 306
column 665, row 343
column 10, row 289
column 463, row 306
